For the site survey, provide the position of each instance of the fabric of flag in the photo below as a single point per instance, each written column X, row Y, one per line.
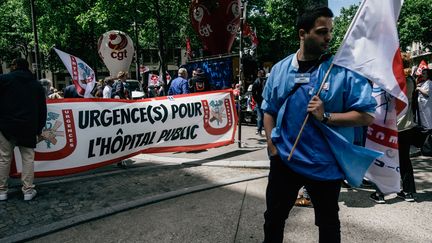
column 248, row 32
column 83, row 76
column 354, row 160
column 188, row 48
column 153, row 80
column 144, row 69
column 371, row 48
column 423, row 65
column 382, row 135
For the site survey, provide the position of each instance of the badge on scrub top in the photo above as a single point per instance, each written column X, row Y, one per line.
column 302, row 78
column 326, row 86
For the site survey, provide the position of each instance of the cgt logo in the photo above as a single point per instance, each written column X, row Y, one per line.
column 118, row 42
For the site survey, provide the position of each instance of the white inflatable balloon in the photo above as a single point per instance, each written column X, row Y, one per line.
column 116, row 50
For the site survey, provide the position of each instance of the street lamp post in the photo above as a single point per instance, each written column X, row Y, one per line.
column 242, row 19
column 36, row 45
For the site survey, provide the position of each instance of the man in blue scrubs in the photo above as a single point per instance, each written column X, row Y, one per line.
column 290, row 93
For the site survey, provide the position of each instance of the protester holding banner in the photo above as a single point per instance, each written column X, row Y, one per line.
column 289, row 94
column 22, row 118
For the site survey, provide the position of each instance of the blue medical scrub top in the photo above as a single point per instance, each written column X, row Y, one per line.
column 344, row 91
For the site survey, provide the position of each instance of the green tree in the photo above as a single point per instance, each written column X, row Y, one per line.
column 340, row 26
column 415, row 22
column 15, row 28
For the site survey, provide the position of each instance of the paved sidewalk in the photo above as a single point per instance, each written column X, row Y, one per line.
column 234, row 213
column 65, row 201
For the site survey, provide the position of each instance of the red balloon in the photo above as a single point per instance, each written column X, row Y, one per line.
column 216, row 23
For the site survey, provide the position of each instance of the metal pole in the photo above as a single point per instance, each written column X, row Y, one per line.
column 36, row 45
column 137, row 64
column 242, row 18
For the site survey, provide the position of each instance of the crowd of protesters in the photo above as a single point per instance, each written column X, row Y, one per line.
column 287, row 90
column 117, row 87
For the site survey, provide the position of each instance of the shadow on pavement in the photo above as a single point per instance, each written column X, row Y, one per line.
column 224, row 156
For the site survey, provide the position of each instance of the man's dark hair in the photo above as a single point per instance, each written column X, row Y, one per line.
column 307, row 19
column 21, row 63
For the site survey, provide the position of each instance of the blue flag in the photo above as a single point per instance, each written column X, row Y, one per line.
column 354, row 160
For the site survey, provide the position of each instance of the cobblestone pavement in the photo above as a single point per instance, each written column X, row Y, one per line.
column 60, row 200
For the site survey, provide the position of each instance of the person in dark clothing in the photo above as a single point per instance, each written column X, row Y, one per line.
column 22, row 117
column 180, row 84
column 199, row 82
column 257, row 89
column 71, row 92
column 119, row 89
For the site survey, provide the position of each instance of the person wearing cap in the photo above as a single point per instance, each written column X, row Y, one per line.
column 199, row 82
column 180, row 84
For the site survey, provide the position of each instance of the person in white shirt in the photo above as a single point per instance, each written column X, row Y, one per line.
column 108, row 87
column 425, row 100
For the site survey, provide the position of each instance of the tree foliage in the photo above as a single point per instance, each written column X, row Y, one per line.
column 415, row 22
column 75, row 25
column 340, row 26
column 15, row 28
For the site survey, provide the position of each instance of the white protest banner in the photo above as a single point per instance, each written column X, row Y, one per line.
column 83, row 134
column 382, row 136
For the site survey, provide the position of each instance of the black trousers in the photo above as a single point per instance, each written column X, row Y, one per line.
column 282, row 189
column 405, row 140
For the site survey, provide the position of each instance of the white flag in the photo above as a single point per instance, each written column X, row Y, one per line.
column 382, row 136
column 371, row 48
column 83, row 76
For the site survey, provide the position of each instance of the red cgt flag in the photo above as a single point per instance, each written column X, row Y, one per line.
column 247, row 31
column 423, row 65
column 188, row 48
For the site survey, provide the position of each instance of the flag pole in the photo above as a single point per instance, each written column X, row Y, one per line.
column 308, row 114
column 325, row 79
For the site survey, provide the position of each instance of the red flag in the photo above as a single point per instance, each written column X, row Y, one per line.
column 423, row 65
column 188, row 48
column 248, row 32
column 153, row 79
